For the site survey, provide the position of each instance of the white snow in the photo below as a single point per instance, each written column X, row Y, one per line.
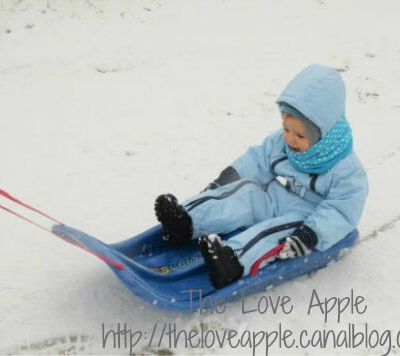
column 106, row 104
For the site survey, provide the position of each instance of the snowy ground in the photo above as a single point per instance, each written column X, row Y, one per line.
column 106, row 104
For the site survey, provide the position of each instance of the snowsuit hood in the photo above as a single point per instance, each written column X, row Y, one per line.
column 318, row 92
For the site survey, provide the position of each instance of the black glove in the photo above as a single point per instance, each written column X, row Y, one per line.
column 300, row 243
column 228, row 175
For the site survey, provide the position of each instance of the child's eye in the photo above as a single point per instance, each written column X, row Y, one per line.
column 300, row 136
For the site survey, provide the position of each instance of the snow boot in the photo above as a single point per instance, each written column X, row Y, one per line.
column 222, row 263
column 176, row 222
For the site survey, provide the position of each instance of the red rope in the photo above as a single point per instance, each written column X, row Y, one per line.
column 24, row 218
column 271, row 253
column 106, row 259
column 9, row 196
column 15, row 200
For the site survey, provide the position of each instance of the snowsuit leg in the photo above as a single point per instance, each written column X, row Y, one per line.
column 253, row 243
column 267, row 212
column 240, row 204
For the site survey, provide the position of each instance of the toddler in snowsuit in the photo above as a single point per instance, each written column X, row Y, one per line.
column 303, row 186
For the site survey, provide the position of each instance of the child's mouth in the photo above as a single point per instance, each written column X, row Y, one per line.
column 294, row 149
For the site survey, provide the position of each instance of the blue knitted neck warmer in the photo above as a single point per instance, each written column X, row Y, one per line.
column 325, row 153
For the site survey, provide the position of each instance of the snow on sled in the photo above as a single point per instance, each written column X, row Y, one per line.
column 176, row 278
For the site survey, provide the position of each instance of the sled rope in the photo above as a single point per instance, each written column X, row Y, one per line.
column 24, row 218
column 7, row 195
column 271, row 253
column 19, row 202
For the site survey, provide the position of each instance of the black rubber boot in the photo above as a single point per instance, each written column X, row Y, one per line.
column 222, row 263
column 176, row 222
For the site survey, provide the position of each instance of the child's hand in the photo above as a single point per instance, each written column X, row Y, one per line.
column 300, row 243
column 228, row 175
column 293, row 247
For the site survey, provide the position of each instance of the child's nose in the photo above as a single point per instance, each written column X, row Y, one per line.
column 291, row 139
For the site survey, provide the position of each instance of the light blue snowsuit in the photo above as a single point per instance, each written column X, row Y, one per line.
column 272, row 198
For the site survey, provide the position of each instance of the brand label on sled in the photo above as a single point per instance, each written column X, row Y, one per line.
column 174, row 267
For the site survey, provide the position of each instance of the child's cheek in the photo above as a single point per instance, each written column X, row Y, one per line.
column 305, row 146
column 285, row 136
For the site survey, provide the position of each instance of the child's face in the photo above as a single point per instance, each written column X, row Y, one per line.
column 295, row 133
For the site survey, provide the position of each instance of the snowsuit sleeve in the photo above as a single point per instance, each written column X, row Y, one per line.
column 340, row 212
column 255, row 163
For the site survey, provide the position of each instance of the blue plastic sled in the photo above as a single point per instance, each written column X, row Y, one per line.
column 176, row 278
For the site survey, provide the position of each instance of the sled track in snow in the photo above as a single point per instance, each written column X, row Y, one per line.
column 383, row 159
column 61, row 345
column 392, row 222
column 77, row 344
column 381, row 229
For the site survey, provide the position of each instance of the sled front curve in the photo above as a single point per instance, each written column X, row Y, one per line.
column 176, row 278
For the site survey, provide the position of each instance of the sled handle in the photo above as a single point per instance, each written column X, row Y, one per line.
column 271, row 253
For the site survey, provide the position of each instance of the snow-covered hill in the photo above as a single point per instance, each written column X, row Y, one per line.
column 106, row 104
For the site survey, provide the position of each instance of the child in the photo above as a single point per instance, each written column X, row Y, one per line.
column 303, row 185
